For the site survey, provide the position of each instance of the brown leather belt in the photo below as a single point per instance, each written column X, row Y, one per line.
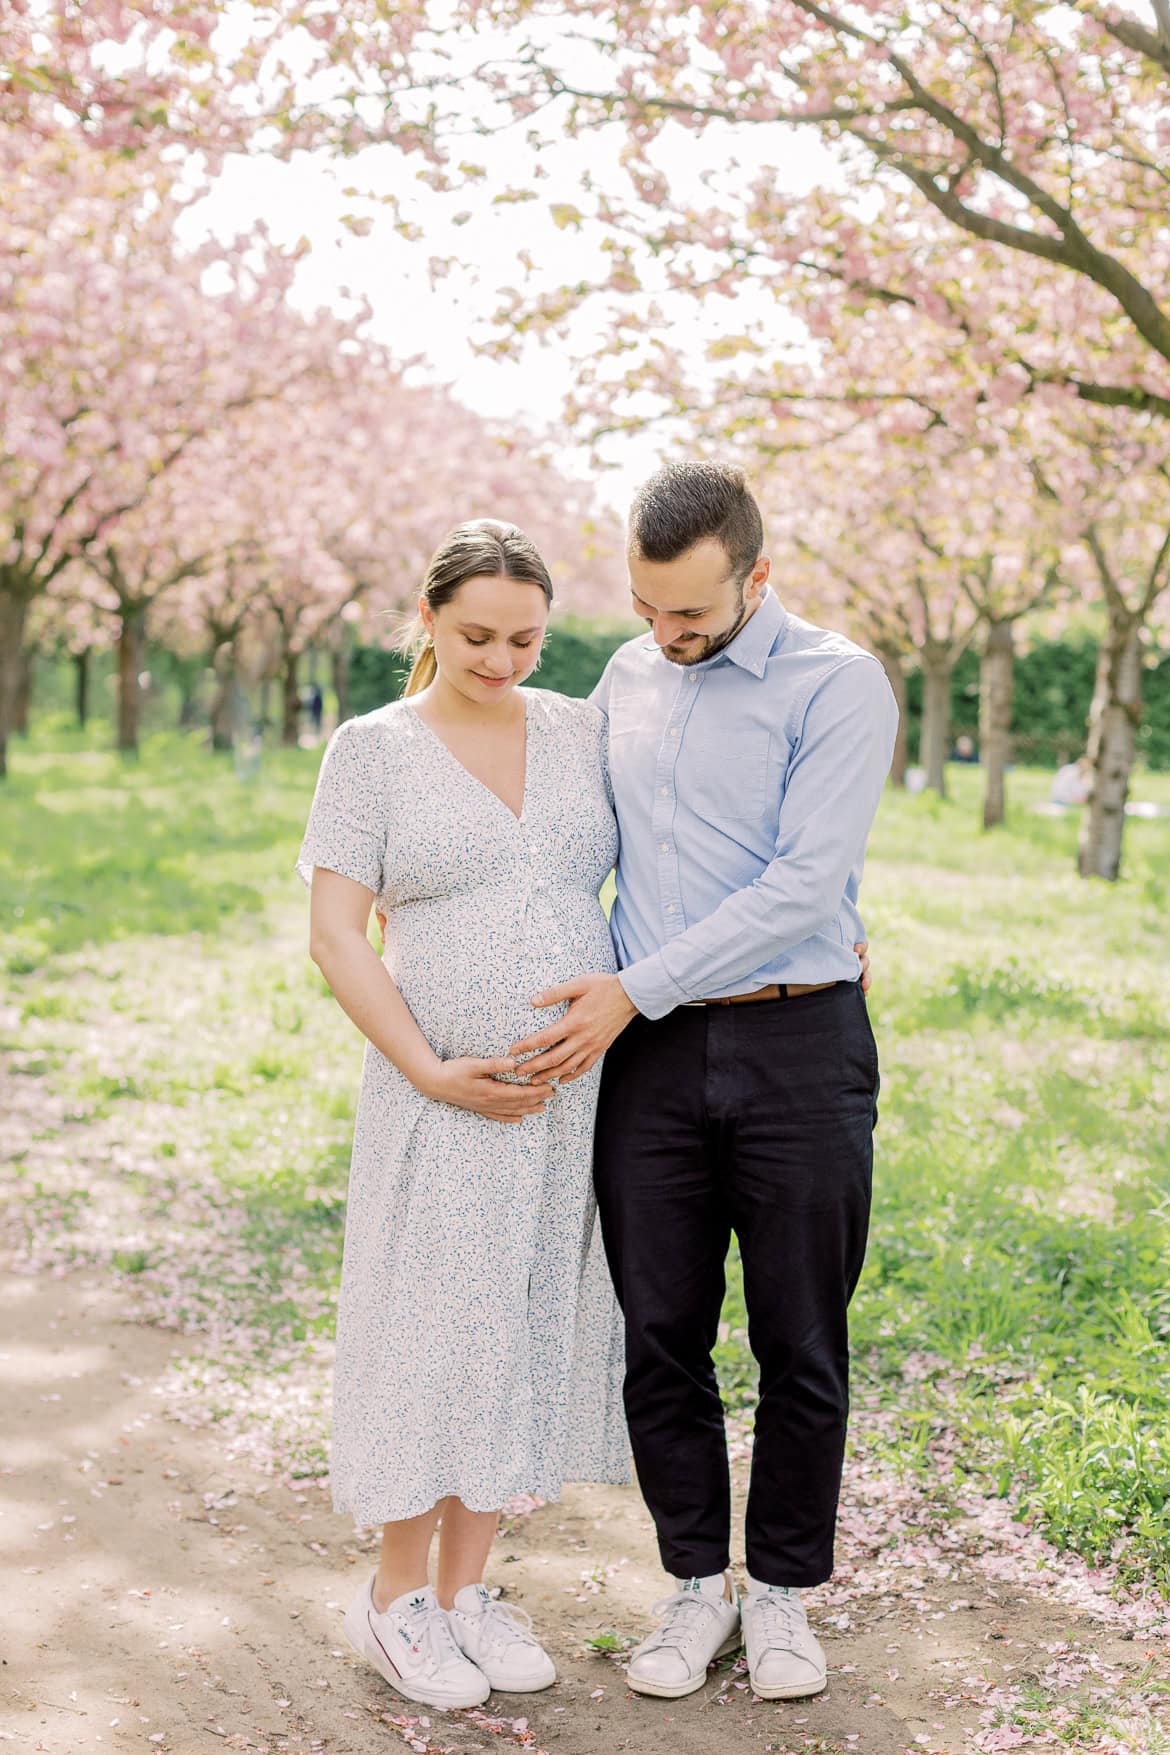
column 777, row 990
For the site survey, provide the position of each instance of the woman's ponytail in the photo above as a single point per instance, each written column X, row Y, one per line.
column 423, row 671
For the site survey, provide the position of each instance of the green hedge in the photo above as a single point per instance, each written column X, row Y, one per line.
column 1050, row 708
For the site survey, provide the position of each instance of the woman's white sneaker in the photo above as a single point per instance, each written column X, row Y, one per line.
column 499, row 1640
column 697, row 1626
column 410, row 1643
column 785, row 1662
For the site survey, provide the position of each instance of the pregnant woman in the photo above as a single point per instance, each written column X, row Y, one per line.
column 479, row 1347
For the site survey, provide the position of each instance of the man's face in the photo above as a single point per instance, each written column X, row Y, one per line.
column 694, row 605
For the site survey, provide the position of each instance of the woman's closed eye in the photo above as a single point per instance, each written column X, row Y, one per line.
column 522, row 644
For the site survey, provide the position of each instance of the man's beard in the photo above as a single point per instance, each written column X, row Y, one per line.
column 697, row 648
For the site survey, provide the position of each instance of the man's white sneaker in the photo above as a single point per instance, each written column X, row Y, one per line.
column 499, row 1640
column 785, row 1661
column 697, row 1626
column 410, row 1643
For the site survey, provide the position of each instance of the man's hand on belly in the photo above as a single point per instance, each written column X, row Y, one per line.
column 599, row 1010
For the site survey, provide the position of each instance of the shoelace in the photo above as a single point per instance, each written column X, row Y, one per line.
column 676, row 1628
column 783, row 1618
column 433, row 1636
column 506, row 1625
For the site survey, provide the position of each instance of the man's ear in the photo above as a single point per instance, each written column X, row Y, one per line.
column 760, row 575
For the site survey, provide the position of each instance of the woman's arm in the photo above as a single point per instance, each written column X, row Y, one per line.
column 361, row 985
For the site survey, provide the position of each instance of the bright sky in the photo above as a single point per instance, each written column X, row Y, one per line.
column 306, row 198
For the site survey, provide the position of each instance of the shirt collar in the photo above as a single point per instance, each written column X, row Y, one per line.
column 752, row 646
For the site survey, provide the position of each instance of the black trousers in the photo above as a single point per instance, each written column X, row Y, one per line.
column 756, row 1119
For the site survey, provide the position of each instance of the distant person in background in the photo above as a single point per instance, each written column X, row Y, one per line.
column 315, row 707
column 1073, row 783
column 964, row 750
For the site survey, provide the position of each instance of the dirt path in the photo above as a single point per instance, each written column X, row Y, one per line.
column 159, row 1597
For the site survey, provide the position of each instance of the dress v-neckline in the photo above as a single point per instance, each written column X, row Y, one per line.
column 516, row 816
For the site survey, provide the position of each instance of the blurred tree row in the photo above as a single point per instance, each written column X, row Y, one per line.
column 1053, row 691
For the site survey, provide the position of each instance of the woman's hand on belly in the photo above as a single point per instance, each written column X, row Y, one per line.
column 478, row 1085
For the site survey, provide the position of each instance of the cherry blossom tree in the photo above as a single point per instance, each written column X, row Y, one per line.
column 1115, row 480
column 318, row 511
column 115, row 360
column 928, row 544
column 1038, row 131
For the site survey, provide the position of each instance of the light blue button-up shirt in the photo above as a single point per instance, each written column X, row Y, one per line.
column 745, row 788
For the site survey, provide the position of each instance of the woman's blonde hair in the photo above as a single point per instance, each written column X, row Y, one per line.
column 481, row 549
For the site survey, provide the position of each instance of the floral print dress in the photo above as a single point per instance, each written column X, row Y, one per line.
column 479, row 1349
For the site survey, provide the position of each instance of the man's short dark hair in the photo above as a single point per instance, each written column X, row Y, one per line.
column 686, row 503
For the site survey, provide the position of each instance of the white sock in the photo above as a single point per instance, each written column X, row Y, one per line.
column 755, row 1588
column 715, row 1586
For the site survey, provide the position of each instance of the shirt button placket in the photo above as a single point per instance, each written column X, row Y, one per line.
column 669, row 889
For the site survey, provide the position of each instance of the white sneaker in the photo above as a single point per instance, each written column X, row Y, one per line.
column 785, row 1661
column 411, row 1644
column 697, row 1626
column 498, row 1639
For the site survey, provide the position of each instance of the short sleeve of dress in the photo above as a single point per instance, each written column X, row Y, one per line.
column 591, row 729
column 346, row 831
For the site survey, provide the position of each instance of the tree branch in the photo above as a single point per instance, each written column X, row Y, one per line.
column 1156, row 586
column 1104, row 395
column 1135, row 36
column 1114, row 595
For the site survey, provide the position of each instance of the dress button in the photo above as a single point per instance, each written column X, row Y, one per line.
column 674, row 731
column 670, row 908
column 665, row 848
column 664, row 792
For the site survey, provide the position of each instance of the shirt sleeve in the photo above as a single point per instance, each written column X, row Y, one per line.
column 834, row 784
column 346, row 831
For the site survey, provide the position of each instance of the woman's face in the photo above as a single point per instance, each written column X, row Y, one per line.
column 488, row 638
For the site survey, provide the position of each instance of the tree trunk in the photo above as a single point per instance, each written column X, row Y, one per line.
column 290, row 729
column 81, row 681
column 223, row 662
column 24, row 691
column 341, row 678
column 937, row 665
column 894, row 666
column 13, row 610
column 188, row 697
column 996, row 680
column 1113, row 727
column 129, row 664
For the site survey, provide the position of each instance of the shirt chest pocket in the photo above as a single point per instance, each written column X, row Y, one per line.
column 732, row 778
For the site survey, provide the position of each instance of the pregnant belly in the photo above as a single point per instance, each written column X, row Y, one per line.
column 469, row 976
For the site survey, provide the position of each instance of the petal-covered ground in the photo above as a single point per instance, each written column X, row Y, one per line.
column 165, row 1593
column 176, row 1099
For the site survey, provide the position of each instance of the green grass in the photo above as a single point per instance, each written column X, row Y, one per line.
column 1013, row 1319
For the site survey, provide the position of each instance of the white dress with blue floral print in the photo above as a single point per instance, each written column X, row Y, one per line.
column 479, row 1348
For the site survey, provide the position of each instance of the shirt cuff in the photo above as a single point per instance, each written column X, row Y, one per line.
column 648, row 986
